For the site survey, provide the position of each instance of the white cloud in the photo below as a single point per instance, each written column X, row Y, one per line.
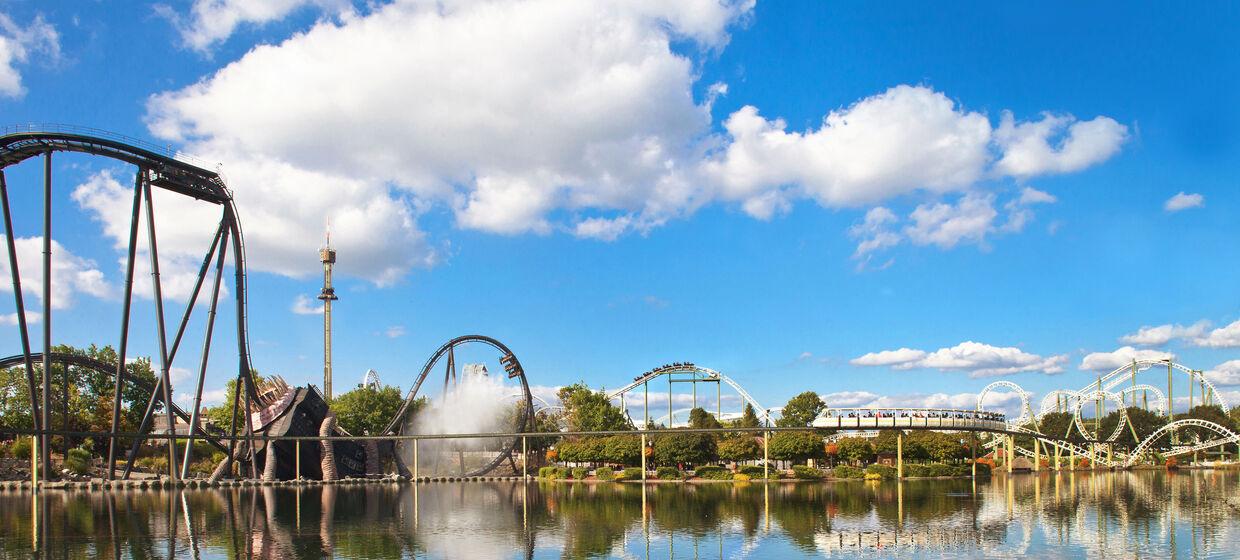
column 1107, row 361
column 303, row 305
column 1226, row 373
column 210, row 22
column 394, row 331
column 71, row 275
column 1182, row 201
column 416, row 106
column 210, row 397
column 183, row 232
column 1162, row 334
column 1055, row 144
column 18, row 44
column 979, row 360
column 945, row 225
column 874, row 232
column 1223, row 337
column 10, row 319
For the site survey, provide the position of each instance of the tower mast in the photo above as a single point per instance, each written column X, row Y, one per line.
column 328, row 257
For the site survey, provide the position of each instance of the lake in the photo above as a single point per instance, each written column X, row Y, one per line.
column 1156, row 514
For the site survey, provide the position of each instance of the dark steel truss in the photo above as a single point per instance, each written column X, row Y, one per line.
column 154, row 171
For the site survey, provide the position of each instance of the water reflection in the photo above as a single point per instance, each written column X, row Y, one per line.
column 1062, row 515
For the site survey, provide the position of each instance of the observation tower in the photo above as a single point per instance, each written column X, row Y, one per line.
column 327, row 256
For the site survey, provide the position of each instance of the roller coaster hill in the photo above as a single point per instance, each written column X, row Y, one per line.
column 279, row 432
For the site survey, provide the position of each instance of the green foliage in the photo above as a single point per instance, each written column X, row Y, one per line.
column 712, row 472
column 623, row 450
column 367, row 410
column 20, row 448
column 806, row 472
column 740, row 477
column 221, row 415
column 78, row 461
column 756, row 471
column 553, row 473
column 667, row 473
column 155, row 463
column 587, row 410
column 845, row 471
column 883, row 471
column 90, row 392
column 678, row 448
column 581, row 473
column 854, row 450
column 916, row 470
column 742, row 447
column 699, row 418
column 801, row 410
column 797, row 446
column 633, row 473
column 604, row 473
column 749, row 418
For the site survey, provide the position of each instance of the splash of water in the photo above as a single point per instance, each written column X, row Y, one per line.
column 475, row 404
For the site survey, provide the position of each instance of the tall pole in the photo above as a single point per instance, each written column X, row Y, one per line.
column 1170, row 416
column 328, row 257
column 159, row 325
column 646, row 404
column 123, row 348
column 899, row 454
column 45, row 445
column 19, row 301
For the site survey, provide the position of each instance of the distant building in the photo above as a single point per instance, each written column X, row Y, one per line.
column 181, row 426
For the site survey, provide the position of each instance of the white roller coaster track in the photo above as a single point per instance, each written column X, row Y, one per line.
column 1094, row 396
column 1228, row 437
column 1117, row 376
column 708, row 373
column 1160, row 403
column 1025, row 410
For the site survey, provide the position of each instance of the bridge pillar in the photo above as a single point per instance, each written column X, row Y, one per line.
column 899, row 454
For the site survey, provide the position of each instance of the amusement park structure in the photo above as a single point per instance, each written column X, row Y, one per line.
column 269, row 417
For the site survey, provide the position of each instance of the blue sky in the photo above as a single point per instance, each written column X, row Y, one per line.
column 609, row 186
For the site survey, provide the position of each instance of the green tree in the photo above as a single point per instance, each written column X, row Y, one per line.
column 699, row 418
column 748, row 419
column 854, row 450
column 624, row 450
column 677, row 448
column 367, row 410
column 221, row 414
column 797, row 446
column 587, row 410
column 741, row 447
column 801, row 410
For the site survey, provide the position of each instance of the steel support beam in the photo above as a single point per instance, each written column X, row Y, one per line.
column 19, row 301
column 126, row 306
column 159, row 324
column 45, row 444
column 222, row 236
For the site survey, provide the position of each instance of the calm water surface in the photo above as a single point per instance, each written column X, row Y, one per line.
column 1112, row 515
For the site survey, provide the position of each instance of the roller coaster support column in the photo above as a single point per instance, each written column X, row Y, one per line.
column 973, row 453
column 1058, row 456
column 415, row 459
column 643, row 464
column 766, row 456
column 525, row 460
column 1037, row 454
column 45, row 451
column 1170, row 415
column 297, row 447
column 1110, row 453
column 35, row 416
column 899, row 454
column 646, row 405
column 1072, row 459
column 1009, row 456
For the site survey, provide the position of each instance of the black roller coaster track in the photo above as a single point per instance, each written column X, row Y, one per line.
column 173, row 174
column 511, row 365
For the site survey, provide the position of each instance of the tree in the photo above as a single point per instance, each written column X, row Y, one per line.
column 366, row 409
column 797, row 446
column 587, row 410
column 624, row 450
column 748, row 418
column 699, row 418
column 742, row 447
column 221, row 415
column 801, row 410
column 90, row 393
column 854, row 449
column 676, row 448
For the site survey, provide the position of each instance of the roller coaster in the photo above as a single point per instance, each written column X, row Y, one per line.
column 255, row 410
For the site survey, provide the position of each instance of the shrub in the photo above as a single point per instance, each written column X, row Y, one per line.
column 155, row 464
column 713, row 473
column 939, row 469
column 806, row 472
column 604, row 473
column 580, row 473
column 740, row 477
column 916, row 471
column 78, row 461
column 667, row 473
column 546, row 472
column 882, row 471
column 845, row 471
column 873, row 476
column 755, row 471
column 552, row 473
column 633, row 473
column 20, row 448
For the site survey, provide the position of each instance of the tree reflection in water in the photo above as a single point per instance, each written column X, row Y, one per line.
column 1071, row 514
